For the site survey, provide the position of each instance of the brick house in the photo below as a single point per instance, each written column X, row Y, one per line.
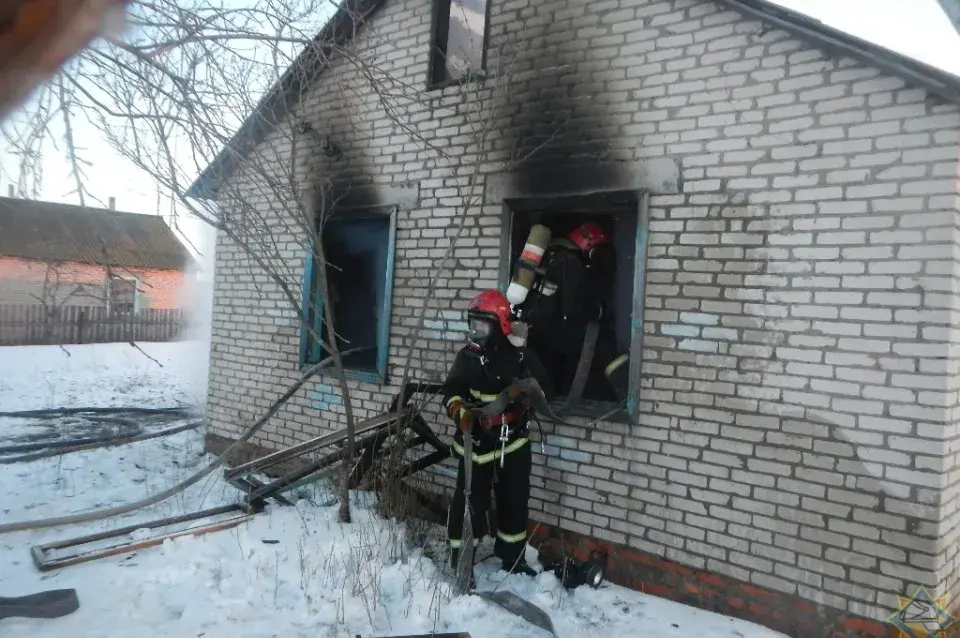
column 62, row 255
column 785, row 199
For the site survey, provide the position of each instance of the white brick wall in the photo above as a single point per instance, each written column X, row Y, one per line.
column 799, row 393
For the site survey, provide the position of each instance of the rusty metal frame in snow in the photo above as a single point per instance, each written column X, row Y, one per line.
column 45, row 562
column 371, row 434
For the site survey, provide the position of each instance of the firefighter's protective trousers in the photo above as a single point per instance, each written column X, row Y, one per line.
column 477, row 379
column 511, row 486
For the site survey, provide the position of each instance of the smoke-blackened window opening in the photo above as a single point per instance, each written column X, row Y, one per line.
column 458, row 50
column 619, row 221
column 359, row 254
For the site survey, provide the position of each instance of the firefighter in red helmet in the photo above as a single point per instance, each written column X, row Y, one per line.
column 502, row 457
column 574, row 289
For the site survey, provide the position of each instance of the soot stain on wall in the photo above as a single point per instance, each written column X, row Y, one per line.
column 557, row 120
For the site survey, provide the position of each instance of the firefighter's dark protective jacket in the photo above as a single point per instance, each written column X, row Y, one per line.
column 477, row 379
column 566, row 297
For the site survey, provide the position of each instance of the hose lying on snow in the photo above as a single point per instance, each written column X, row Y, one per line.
column 94, row 415
column 26, row 414
column 126, row 430
column 95, row 515
column 77, row 445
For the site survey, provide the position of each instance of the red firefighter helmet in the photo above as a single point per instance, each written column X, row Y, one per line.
column 488, row 316
column 588, row 236
column 492, row 304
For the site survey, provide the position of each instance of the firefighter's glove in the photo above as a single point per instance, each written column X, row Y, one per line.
column 457, row 412
column 463, row 417
column 467, row 419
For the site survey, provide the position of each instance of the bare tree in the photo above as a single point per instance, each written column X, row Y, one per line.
column 170, row 95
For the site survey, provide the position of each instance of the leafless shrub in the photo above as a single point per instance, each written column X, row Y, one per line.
column 169, row 96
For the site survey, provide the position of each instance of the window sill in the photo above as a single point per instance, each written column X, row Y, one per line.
column 593, row 410
column 478, row 78
column 364, row 376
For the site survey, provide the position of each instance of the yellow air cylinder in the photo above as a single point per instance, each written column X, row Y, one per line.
column 523, row 275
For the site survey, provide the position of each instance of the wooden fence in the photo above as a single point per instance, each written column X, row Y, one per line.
column 34, row 324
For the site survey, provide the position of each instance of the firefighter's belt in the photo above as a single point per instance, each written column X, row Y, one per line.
column 507, row 418
column 490, row 457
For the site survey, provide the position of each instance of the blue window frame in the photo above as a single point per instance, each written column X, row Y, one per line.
column 359, row 249
column 625, row 216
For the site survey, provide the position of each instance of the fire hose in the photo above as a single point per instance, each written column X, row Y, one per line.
column 28, row 414
column 526, row 391
column 36, row 451
column 95, row 515
column 126, row 428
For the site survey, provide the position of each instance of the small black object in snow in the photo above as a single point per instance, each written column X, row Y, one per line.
column 573, row 572
column 53, row 603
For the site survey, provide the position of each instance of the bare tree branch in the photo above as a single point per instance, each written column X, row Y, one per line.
column 189, row 73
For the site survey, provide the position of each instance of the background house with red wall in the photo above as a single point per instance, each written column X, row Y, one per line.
column 63, row 255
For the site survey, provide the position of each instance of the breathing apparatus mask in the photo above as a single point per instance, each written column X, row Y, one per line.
column 482, row 333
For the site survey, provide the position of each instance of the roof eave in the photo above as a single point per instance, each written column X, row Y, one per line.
column 941, row 83
column 952, row 9
column 274, row 105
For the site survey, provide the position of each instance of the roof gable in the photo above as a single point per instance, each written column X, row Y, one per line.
column 275, row 105
column 47, row 231
column 343, row 25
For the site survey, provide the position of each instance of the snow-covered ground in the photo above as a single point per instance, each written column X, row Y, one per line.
column 290, row 572
column 103, row 375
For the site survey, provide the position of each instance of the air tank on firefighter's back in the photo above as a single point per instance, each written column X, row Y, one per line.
column 523, row 275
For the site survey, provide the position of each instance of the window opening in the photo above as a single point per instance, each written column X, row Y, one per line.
column 359, row 255
column 619, row 220
column 459, row 40
column 122, row 293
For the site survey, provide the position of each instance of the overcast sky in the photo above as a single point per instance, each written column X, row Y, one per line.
column 917, row 28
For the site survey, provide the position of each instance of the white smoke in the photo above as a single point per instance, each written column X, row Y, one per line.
column 197, row 301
